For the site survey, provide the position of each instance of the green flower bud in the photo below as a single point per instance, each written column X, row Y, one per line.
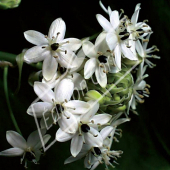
column 5, row 4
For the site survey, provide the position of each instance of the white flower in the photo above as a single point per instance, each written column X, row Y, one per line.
column 87, row 131
column 146, row 53
column 114, row 39
column 101, row 60
column 136, row 30
column 30, row 149
column 58, row 103
column 53, row 49
column 96, row 155
column 140, row 89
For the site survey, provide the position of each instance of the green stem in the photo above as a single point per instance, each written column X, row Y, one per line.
column 12, row 58
column 7, row 100
column 93, row 36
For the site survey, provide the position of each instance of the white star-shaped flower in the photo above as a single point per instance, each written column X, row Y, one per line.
column 52, row 49
column 30, row 149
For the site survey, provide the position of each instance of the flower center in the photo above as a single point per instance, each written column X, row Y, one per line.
column 29, row 156
column 124, row 35
column 102, row 59
column 54, row 46
column 62, row 70
column 140, row 92
column 140, row 31
column 97, row 151
column 59, row 108
column 85, row 128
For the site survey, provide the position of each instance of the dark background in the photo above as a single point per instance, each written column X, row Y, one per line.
column 145, row 141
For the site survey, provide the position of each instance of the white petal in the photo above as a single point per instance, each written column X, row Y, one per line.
column 42, row 143
column 62, row 136
column 34, row 138
column 100, row 43
column 135, row 16
column 16, row 140
column 73, row 45
column 118, row 57
column 92, row 140
column 49, row 67
column 44, row 92
column 67, row 59
column 111, row 40
column 36, row 54
column 76, row 145
column 64, row 90
column 39, row 109
column 94, row 106
column 77, row 107
column 68, row 124
column 104, row 22
column 105, row 132
column 101, row 76
column 114, row 19
column 12, row 152
column 35, row 37
column 95, row 165
column 101, row 119
column 127, row 52
column 90, row 67
column 58, row 26
column 139, row 48
column 79, row 82
column 89, row 49
column 120, row 121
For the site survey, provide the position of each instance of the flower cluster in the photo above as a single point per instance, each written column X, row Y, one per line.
column 87, row 89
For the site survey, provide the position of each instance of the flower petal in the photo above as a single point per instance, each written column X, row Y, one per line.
column 35, row 37
column 104, row 22
column 39, row 109
column 89, row 49
column 64, row 90
column 73, row 45
column 101, row 119
column 44, row 92
column 49, row 67
column 76, row 144
column 93, row 110
column 139, row 49
column 62, row 136
column 93, row 140
column 16, row 140
column 34, row 138
column 57, row 28
column 135, row 16
column 114, row 19
column 12, row 152
column 100, row 43
column 79, row 82
column 90, row 67
column 68, row 123
column 36, row 54
column 77, row 107
column 118, row 57
column 101, row 76
column 127, row 52
column 105, row 132
column 112, row 40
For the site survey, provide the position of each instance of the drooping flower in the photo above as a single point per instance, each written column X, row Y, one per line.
column 140, row 89
column 30, row 149
column 116, row 36
column 101, row 60
column 52, row 49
